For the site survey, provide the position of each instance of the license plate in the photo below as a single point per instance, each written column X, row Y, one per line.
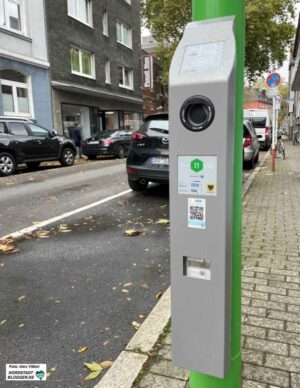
column 159, row 160
column 94, row 142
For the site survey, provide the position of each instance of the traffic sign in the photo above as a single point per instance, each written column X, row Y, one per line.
column 273, row 80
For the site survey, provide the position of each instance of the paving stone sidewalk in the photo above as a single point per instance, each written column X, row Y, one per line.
column 271, row 286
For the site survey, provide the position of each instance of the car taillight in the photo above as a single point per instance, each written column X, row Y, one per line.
column 130, row 170
column 136, row 136
column 106, row 143
column 247, row 141
column 267, row 131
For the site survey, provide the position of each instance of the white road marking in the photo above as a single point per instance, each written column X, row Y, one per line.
column 41, row 224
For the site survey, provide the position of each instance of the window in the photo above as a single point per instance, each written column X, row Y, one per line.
column 125, row 77
column 107, row 71
column 105, row 23
column 81, row 10
column 38, row 131
column 16, row 93
column 18, row 129
column 2, row 128
column 11, row 15
column 82, row 63
column 124, row 35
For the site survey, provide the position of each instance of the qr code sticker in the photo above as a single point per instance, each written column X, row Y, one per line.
column 197, row 213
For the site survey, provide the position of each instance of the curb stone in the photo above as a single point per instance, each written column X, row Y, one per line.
column 130, row 362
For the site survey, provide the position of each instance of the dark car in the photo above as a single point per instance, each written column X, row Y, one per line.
column 24, row 141
column 148, row 157
column 112, row 142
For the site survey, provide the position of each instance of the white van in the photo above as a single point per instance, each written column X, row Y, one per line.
column 261, row 120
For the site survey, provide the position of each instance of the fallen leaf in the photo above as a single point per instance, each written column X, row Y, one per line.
column 21, row 298
column 158, row 295
column 93, row 375
column 93, row 366
column 106, row 364
column 163, row 206
column 21, row 324
column 145, row 285
column 123, row 203
column 2, row 322
column 7, row 245
column 105, row 342
column 163, row 221
column 133, row 233
column 136, row 325
column 127, row 285
column 82, row 349
column 141, row 316
column 42, row 234
column 124, row 290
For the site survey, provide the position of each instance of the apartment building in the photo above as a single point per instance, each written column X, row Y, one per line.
column 24, row 67
column 95, row 55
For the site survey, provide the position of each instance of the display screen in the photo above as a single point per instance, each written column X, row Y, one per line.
column 200, row 57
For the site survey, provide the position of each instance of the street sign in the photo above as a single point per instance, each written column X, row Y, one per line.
column 273, row 92
column 273, row 80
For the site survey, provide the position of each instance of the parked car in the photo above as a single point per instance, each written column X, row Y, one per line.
column 250, row 145
column 112, row 142
column 25, row 141
column 261, row 120
column 148, row 157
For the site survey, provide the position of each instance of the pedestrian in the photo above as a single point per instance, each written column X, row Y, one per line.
column 75, row 134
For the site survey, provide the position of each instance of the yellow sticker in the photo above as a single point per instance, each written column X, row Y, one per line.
column 211, row 188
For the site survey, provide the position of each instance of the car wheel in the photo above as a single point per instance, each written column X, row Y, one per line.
column 67, row 157
column 250, row 164
column 121, row 152
column 7, row 164
column 140, row 185
column 33, row 165
column 92, row 157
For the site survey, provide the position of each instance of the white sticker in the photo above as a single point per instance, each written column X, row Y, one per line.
column 201, row 57
column 197, row 175
column 196, row 213
column 26, row 372
column 199, row 273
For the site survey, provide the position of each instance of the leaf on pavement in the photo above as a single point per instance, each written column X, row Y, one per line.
column 21, row 298
column 124, row 290
column 93, row 375
column 141, row 316
column 93, row 366
column 123, row 203
column 106, row 364
column 163, row 206
column 21, row 324
column 136, row 325
column 127, row 285
column 42, row 234
column 82, row 349
column 158, row 295
column 145, row 285
column 7, row 245
column 105, row 342
column 133, row 233
column 2, row 322
column 163, row 221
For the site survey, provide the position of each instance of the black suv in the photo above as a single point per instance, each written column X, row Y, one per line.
column 148, row 157
column 24, row 141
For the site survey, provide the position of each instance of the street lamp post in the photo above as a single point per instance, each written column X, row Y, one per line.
column 209, row 9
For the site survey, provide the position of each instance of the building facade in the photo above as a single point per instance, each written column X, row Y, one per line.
column 24, row 67
column 95, row 56
column 154, row 93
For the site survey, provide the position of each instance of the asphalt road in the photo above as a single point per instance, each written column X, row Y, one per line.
column 81, row 282
column 83, row 286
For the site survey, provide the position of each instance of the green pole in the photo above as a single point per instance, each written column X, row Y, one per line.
column 209, row 9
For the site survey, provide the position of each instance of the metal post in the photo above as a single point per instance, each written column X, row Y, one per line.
column 274, row 135
column 209, row 9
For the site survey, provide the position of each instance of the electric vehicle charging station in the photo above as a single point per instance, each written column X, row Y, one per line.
column 202, row 93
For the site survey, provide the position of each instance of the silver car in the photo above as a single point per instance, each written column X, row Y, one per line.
column 250, row 145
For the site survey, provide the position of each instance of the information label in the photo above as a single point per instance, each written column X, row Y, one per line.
column 26, row 372
column 201, row 57
column 197, row 175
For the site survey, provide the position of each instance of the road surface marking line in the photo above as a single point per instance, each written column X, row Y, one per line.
column 41, row 224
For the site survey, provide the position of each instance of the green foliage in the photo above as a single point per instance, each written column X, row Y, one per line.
column 269, row 29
